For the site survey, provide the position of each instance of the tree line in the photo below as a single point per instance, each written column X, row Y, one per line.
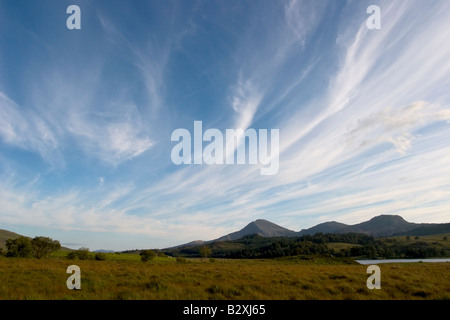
column 23, row 247
column 42, row 247
column 365, row 246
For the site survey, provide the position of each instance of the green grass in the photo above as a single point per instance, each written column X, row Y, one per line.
column 437, row 240
column 126, row 277
column 109, row 256
column 337, row 246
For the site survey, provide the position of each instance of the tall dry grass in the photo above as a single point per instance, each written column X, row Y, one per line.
column 223, row 279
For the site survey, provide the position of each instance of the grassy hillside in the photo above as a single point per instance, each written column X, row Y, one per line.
column 433, row 239
column 437, row 240
column 429, row 230
column 5, row 235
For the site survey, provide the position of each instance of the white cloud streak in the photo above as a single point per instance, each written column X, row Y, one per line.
column 374, row 141
column 365, row 107
column 27, row 130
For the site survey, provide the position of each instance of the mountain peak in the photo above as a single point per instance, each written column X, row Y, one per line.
column 262, row 227
column 261, row 223
column 384, row 225
column 388, row 217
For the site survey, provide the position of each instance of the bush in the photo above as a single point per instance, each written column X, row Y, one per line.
column 2, row 252
column 100, row 256
column 212, row 260
column 147, row 255
column 204, row 252
column 181, row 260
column 39, row 247
column 20, row 247
column 81, row 254
column 42, row 247
column 72, row 255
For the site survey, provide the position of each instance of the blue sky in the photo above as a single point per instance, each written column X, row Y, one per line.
column 86, row 116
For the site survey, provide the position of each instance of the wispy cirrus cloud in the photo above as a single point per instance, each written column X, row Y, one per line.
column 340, row 130
column 279, row 48
column 396, row 126
column 246, row 100
column 80, row 210
column 363, row 118
column 120, row 138
column 113, row 137
column 68, row 107
column 27, row 130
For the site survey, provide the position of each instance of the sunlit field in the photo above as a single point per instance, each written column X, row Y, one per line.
column 126, row 277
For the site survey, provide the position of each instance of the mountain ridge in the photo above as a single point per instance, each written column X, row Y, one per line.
column 262, row 227
column 379, row 226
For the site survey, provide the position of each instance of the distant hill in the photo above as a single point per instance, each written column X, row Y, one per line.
column 345, row 245
column 379, row 226
column 5, row 235
column 261, row 227
column 428, row 229
column 327, row 227
column 384, row 225
column 192, row 244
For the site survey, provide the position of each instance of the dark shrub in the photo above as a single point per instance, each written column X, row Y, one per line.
column 72, row 255
column 83, row 254
column 181, row 260
column 147, row 255
column 42, row 247
column 20, row 247
column 100, row 256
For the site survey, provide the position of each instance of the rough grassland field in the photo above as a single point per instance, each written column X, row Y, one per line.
column 163, row 278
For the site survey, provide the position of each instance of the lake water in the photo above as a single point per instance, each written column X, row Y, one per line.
column 401, row 260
